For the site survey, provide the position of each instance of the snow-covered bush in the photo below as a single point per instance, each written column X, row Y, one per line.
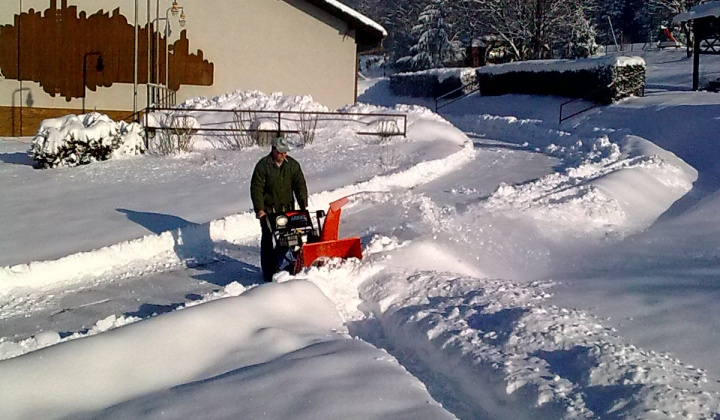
column 171, row 132
column 433, row 83
column 601, row 80
column 75, row 140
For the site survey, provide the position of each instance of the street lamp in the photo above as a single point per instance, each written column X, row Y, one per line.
column 149, row 44
column 156, row 57
column 135, row 62
column 99, row 66
column 174, row 9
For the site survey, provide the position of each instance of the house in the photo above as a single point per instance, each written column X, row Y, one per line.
column 59, row 57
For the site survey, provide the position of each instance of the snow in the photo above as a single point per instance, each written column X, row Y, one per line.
column 537, row 66
column 362, row 18
column 513, row 268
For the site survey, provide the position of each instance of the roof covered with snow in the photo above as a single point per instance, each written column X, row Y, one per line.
column 700, row 11
column 368, row 33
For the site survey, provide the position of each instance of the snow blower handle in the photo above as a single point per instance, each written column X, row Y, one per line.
column 266, row 218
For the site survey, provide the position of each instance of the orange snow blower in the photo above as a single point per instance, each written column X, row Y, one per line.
column 298, row 243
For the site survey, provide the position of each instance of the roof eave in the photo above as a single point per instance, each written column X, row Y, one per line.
column 367, row 36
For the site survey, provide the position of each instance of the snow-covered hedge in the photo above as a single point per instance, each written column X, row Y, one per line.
column 433, row 83
column 602, row 79
column 75, row 140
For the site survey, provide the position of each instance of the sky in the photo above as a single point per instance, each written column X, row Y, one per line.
column 513, row 267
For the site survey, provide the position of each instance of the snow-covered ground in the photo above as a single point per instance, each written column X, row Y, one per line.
column 513, row 268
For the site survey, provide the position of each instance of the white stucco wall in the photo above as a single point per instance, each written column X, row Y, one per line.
column 269, row 45
column 266, row 45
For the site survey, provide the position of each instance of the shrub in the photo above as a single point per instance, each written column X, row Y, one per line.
column 173, row 133
column 600, row 80
column 78, row 140
column 433, row 83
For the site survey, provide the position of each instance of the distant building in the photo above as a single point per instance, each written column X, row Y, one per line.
column 704, row 19
column 57, row 57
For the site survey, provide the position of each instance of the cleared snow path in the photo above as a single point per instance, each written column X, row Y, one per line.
column 484, row 346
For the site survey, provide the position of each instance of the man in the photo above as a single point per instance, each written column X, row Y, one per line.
column 276, row 178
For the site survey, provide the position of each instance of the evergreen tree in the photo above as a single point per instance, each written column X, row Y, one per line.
column 582, row 40
column 434, row 47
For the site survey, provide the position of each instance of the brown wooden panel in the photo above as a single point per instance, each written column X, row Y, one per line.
column 11, row 119
column 53, row 48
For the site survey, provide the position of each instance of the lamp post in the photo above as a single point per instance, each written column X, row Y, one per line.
column 149, row 69
column 135, row 64
column 150, row 43
column 175, row 9
column 99, row 66
column 156, row 57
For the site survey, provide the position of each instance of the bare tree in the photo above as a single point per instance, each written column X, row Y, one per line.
column 532, row 27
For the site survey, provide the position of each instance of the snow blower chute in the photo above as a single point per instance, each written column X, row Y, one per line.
column 298, row 244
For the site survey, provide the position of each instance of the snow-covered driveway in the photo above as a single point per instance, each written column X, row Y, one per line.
column 461, row 237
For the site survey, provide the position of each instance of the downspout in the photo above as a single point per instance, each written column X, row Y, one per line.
column 135, row 65
column 149, row 69
column 696, row 58
column 18, row 68
column 357, row 70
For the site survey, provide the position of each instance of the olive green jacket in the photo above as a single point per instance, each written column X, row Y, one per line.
column 272, row 187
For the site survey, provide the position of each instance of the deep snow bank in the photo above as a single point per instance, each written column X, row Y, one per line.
column 165, row 351
column 606, row 188
column 279, row 346
column 495, row 348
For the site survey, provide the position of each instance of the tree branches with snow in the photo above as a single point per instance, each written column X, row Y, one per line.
column 532, row 27
column 434, row 47
column 662, row 12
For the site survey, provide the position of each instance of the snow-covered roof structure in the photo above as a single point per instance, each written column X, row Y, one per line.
column 710, row 9
column 368, row 33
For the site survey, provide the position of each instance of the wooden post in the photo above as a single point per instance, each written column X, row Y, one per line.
column 696, row 60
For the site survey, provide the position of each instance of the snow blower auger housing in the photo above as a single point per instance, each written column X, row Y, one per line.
column 299, row 244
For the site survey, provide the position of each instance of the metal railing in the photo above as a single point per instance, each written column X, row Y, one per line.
column 475, row 88
column 160, row 96
column 588, row 97
column 254, row 122
column 566, row 103
column 134, row 117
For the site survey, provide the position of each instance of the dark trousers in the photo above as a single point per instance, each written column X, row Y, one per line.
column 268, row 260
